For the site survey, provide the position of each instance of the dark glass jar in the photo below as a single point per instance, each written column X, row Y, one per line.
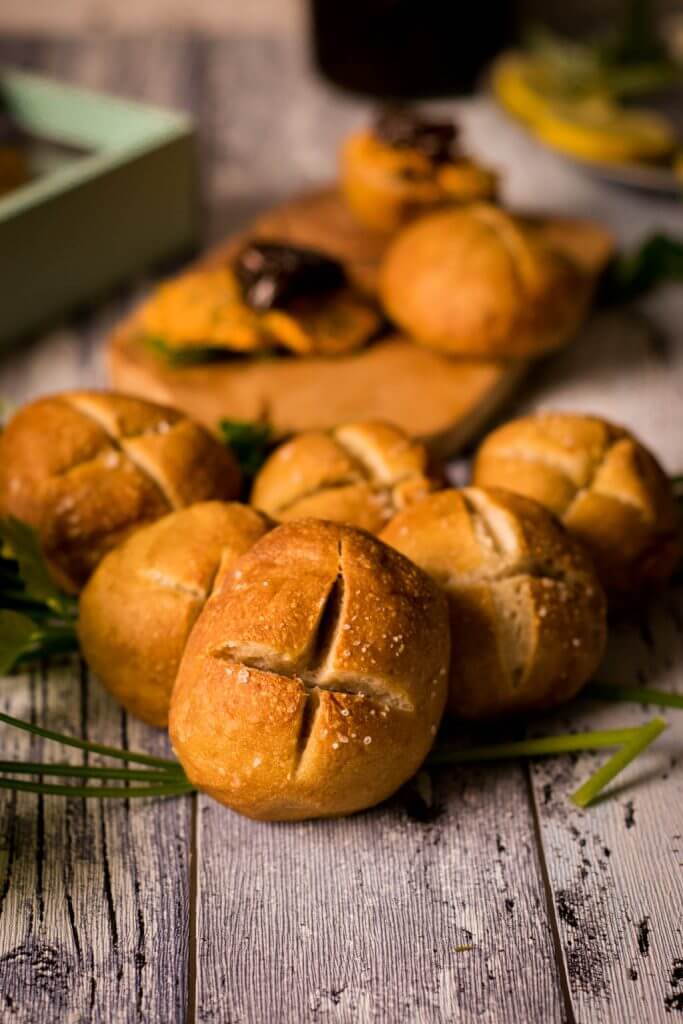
column 408, row 48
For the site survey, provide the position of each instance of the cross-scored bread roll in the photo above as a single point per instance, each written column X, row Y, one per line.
column 85, row 468
column 360, row 474
column 477, row 281
column 527, row 611
column 314, row 680
column 604, row 485
column 138, row 607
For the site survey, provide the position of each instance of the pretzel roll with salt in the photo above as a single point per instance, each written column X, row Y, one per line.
column 608, row 489
column 86, row 468
column 137, row 609
column 360, row 474
column 314, row 680
column 527, row 611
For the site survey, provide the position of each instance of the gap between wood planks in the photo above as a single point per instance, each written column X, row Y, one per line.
column 549, row 899
column 191, row 1011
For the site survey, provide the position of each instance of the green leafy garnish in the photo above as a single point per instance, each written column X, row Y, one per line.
column 187, row 355
column 250, row 444
column 632, row 742
column 163, row 777
column 37, row 619
column 20, row 544
column 642, row 737
column 656, row 261
column 630, row 61
column 633, row 695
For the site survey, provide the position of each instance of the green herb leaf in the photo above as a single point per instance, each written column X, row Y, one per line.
column 633, row 695
column 657, row 261
column 37, row 619
column 641, row 739
column 96, row 748
column 188, row 355
column 249, row 442
column 20, row 542
column 162, row 778
column 99, row 792
column 17, row 639
column 632, row 741
column 85, row 771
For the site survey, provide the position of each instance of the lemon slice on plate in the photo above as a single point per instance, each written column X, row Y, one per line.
column 597, row 129
column 522, row 86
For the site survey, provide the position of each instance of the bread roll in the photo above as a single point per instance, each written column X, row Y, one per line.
column 359, row 474
column 85, row 468
column 527, row 611
column 386, row 186
column 138, row 607
column 478, row 281
column 604, row 485
column 314, row 680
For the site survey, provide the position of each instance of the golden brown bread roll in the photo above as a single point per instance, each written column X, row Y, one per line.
column 138, row 607
column 527, row 611
column 604, row 485
column 360, row 474
column 478, row 281
column 314, row 679
column 85, row 468
column 387, row 186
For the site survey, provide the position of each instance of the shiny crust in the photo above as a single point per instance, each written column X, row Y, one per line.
column 527, row 611
column 477, row 281
column 138, row 607
column 360, row 474
column 314, row 680
column 85, row 468
column 604, row 485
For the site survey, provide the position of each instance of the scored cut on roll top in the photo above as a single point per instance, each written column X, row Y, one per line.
column 314, row 680
column 359, row 473
column 602, row 482
column 527, row 611
column 137, row 609
column 86, row 468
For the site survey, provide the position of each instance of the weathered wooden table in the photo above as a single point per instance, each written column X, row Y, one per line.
column 510, row 905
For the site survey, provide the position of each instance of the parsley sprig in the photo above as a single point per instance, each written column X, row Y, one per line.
column 250, row 443
column 631, row 274
column 37, row 619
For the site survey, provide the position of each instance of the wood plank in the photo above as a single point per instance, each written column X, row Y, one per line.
column 94, row 895
column 378, row 917
column 615, row 871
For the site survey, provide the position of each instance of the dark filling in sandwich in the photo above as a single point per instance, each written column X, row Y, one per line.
column 406, row 129
column 272, row 275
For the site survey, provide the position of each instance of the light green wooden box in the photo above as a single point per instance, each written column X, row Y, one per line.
column 123, row 198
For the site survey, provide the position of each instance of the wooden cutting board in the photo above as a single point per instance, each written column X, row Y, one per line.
column 444, row 400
